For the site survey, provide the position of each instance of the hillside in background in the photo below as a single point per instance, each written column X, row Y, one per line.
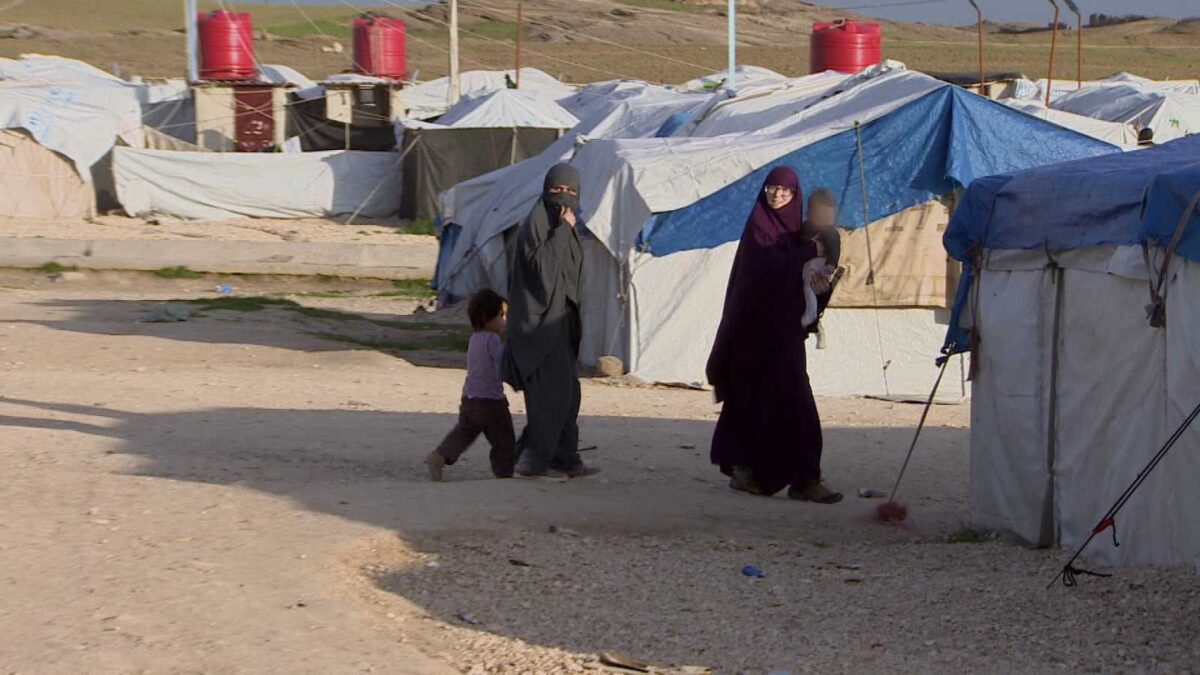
column 582, row 40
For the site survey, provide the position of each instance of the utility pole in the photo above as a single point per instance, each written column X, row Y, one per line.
column 189, row 21
column 520, row 28
column 979, row 17
column 731, row 81
column 1053, row 43
column 455, row 85
column 1078, row 42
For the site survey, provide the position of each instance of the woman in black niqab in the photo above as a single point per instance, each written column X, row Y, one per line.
column 544, row 328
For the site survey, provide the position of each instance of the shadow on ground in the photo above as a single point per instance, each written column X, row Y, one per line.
column 424, row 340
column 647, row 558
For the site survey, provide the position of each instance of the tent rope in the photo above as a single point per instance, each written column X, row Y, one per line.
column 920, row 426
column 862, row 180
column 371, row 194
column 1158, row 290
column 1069, row 572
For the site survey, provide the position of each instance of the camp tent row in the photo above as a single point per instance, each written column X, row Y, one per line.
column 664, row 214
column 1076, row 387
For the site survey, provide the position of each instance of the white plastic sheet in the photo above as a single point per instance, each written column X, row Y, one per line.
column 210, row 186
column 431, row 99
column 505, row 108
column 69, row 107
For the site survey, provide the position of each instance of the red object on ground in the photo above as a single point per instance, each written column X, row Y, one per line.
column 891, row 512
column 226, row 46
column 379, row 45
column 845, row 46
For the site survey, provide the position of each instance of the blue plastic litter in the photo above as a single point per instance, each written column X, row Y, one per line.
column 754, row 572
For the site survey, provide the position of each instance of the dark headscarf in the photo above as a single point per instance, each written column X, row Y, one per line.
column 764, row 299
column 561, row 174
column 543, row 293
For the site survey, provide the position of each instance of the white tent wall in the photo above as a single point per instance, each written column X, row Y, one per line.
column 1120, row 389
column 214, row 186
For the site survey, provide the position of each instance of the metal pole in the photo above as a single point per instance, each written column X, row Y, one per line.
column 520, row 28
column 455, row 86
column 1078, row 42
column 189, row 17
column 731, row 82
column 1053, row 43
column 979, row 16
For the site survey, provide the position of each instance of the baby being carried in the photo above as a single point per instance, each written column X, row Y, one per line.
column 822, row 228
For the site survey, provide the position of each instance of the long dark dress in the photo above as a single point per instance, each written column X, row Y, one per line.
column 544, row 329
column 769, row 423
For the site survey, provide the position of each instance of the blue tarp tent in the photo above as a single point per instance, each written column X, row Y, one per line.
column 1127, row 198
column 1086, row 345
column 924, row 149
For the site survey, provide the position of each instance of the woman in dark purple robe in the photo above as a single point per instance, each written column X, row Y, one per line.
column 769, row 433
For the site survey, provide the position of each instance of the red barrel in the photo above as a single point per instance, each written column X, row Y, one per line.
column 226, row 46
column 379, row 47
column 845, row 46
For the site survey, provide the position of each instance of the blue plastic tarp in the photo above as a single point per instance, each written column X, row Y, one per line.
column 1124, row 199
column 1171, row 195
column 912, row 155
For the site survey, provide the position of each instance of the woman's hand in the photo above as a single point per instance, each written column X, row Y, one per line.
column 566, row 215
column 820, row 284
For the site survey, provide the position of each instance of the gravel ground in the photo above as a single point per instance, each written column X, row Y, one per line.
column 672, row 600
column 240, row 493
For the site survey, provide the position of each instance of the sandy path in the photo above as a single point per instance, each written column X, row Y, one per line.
column 234, row 493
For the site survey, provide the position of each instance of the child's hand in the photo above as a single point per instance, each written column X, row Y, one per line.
column 820, row 284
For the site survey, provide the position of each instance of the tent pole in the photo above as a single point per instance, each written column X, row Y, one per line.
column 189, row 18
column 1053, row 42
column 455, row 86
column 979, row 18
column 520, row 28
column 1078, row 42
column 731, row 81
column 1049, row 534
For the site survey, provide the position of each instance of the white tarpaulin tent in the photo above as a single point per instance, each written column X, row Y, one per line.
column 431, row 99
column 745, row 76
column 214, row 186
column 665, row 213
column 506, row 108
column 1116, row 133
column 1064, row 87
column 1170, row 114
column 1076, row 389
column 69, row 107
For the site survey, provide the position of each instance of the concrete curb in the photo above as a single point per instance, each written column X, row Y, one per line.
column 373, row 261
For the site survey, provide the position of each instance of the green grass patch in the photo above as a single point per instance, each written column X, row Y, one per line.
column 178, row 273
column 670, row 5
column 444, row 342
column 241, row 304
column 56, row 268
column 338, row 28
column 492, row 30
column 423, row 226
column 407, row 288
column 322, row 294
column 968, row 536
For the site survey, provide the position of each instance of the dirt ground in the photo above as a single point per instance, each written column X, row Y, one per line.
column 324, row 230
column 243, row 492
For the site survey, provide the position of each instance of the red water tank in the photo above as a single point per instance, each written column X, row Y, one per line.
column 845, row 46
column 226, row 46
column 379, row 47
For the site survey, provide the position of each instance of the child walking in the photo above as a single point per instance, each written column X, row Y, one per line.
column 484, row 408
